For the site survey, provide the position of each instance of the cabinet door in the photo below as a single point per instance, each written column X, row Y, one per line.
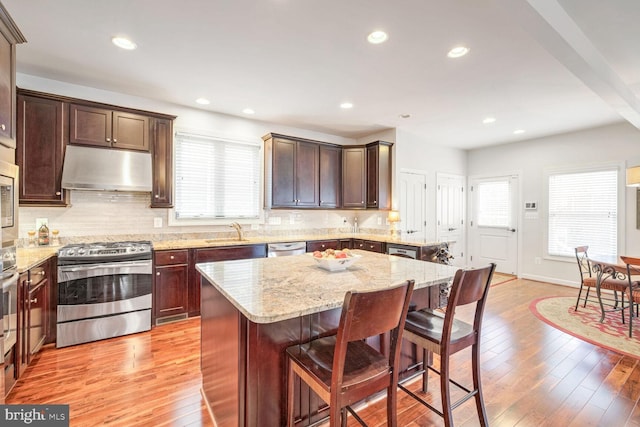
column 162, row 149
column 284, row 178
column 330, row 176
column 379, row 175
column 353, row 177
column 130, row 131
column 41, row 135
column 171, row 291
column 37, row 318
column 6, row 89
column 90, row 125
column 307, row 175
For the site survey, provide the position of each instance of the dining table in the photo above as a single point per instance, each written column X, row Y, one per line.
column 610, row 268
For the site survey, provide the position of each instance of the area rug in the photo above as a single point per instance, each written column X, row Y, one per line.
column 584, row 323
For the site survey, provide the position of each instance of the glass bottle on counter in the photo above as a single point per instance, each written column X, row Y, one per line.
column 43, row 235
column 55, row 238
column 32, row 238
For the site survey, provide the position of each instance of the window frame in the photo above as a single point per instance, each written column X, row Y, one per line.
column 619, row 167
column 180, row 222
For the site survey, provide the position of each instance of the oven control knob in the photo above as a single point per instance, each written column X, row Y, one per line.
column 81, row 251
column 71, row 252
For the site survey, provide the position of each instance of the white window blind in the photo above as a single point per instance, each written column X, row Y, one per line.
column 216, row 178
column 493, row 199
column 583, row 210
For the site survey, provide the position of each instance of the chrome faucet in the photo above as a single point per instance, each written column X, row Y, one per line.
column 238, row 229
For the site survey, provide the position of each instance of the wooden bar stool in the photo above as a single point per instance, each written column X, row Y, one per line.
column 446, row 335
column 343, row 369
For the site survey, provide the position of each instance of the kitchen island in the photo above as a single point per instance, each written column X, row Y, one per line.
column 251, row 310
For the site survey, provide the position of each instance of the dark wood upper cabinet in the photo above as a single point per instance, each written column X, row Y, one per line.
column 353, row 177
column 162, row 151
column 102, row 127
column 42, row 132
column 292, row 172
column 45, row 124
column 10, row 35
column 379, row 175
column 330, row 176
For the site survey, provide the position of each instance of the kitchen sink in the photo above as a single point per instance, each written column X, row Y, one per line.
column 225, row 239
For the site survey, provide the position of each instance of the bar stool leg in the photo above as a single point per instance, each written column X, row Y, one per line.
column 426, row 362
column 290, row 390
column 482, row 412
column 445, row 392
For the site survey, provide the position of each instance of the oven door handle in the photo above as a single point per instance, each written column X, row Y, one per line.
column 76, row 268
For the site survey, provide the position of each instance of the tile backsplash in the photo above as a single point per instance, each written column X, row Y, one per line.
column 96, row 215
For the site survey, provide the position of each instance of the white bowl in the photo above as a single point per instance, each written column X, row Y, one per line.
column 337, row 264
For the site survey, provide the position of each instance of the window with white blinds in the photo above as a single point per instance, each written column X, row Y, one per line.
column 583, row 210
column 216, row 178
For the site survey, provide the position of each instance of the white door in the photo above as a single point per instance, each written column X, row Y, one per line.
column 493, row 225
column 450, row 214
column 412, row 206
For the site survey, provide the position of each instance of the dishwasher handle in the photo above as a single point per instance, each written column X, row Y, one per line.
column 290, row 248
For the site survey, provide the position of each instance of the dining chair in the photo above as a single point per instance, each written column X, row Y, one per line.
column 343, row 369
column 633, row 290
column 445, row 335
column 609, row 280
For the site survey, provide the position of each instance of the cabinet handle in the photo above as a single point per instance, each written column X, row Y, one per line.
column 34, row 301
column 42, row 273
column 58, row 193
column 108, row 139
column 172, row 257
column 322, row 246
column 115, row 140
column 157, row 273
column 157, row 196
column 3, row 127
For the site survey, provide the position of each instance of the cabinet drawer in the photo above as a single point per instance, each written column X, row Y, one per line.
column 37, row 275
column 321, row 245
column 172, row 257
column 369, row 245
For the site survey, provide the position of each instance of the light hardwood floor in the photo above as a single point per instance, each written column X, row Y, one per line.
column 532, row 374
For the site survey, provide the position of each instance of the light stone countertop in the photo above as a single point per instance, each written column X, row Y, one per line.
column 216, row 242
column 268, row 290
column 28, row 258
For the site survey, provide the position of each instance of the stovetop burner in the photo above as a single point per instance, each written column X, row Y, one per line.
column 105, row 251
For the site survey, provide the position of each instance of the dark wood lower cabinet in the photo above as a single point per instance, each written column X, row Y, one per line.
column 243, row 363
column 171, row 285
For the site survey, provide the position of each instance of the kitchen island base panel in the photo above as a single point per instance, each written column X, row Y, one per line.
column 244, row 363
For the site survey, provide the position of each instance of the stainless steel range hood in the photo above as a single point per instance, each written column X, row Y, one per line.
column 88, row 168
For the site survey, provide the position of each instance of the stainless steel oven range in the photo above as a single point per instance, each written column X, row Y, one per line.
column 104, row 291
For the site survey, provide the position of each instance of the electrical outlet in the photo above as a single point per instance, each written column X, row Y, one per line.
column 379, row 221
column 538, row 260
column 157, row 222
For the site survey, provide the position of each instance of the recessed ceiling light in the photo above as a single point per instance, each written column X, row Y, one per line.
column 405, row 116
column 203, row 101
column 458, row 51
column 248, row 111
column 124, row 43
column 377, row 37
column 488, row 120
column 346, row 105
column 518, row 131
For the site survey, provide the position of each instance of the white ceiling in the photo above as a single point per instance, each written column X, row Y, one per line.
column 545, row 66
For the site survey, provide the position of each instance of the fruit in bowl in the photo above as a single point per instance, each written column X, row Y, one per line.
column 335, row 259
column 333, row 253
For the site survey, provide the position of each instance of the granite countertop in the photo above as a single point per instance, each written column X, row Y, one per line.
column 28, row 258
column 268, row 290
column 207, row 243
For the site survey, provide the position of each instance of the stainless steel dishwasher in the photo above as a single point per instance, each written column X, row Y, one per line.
column 285, row 249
